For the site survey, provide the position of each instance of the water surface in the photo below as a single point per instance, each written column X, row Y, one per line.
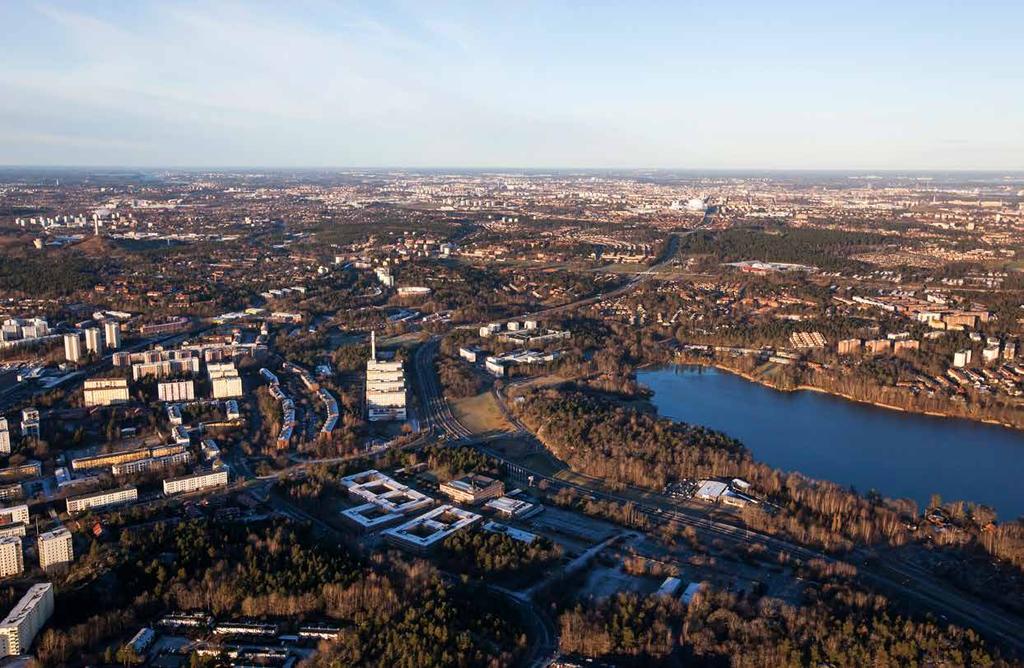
column 899, row 454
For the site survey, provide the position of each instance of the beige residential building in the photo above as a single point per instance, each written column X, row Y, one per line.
column 14, row 515
column 55, row 548
column 194, row 483
column 19, row 628
column 11, row 560
column 105, row 391
column 113, row 497
column 227, row 384
column 176, row 390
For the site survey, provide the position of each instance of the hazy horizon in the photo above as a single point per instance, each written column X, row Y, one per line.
column 319, row 85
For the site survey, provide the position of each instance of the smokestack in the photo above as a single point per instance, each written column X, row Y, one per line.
column 373, row 345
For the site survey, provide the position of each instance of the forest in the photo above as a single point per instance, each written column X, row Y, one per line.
column 394, row 612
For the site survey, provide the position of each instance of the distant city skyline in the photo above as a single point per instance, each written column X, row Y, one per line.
column 727, row 86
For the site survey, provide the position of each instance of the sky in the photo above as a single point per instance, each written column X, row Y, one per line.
column 905, row 84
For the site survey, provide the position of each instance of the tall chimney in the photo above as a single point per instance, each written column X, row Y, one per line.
column 373, row 345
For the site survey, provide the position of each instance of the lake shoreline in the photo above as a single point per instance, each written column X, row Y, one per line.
column 760, row 380
column 899, row 453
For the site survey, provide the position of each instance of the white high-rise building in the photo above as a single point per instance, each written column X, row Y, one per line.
column 11, row 560
column 55, row 548
column 5, row 437
column 19, row 628
column 385, row 387
column 94, row 340
column 72, row 347
column 112, row 333
column 224, row 378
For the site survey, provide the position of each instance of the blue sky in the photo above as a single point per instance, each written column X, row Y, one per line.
column 860, row 85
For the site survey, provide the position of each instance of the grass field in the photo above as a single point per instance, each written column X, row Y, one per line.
column 480, row 414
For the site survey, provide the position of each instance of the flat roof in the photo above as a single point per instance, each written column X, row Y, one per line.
column 434, row 526
column 31, row 598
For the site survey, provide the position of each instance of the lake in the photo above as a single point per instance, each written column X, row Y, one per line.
column 899, row 454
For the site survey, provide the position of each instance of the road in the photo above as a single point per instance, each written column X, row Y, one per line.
column 907, row 581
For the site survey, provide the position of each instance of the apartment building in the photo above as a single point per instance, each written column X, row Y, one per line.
column 19, row 628
column 195, row 482
column 94, row 340
column 112, row 333
column 176, row 390
column 104, row 499
column 224, row 378
column 105, row 391
column 55, row 548
column 14, row 515
column 5, row 437
column 72, row 347
column 11, row 560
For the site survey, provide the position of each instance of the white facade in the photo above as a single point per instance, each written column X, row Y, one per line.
column 5, row 437
column 176, row 390
column 225, row 380
column 105, row 391
column 55, row 548
column 11, row 560
column 19, row 628
column 94, row 340
column 80, row 504
column 385, row 387
column 194, row 483
column 112, row 333
column 72, row 347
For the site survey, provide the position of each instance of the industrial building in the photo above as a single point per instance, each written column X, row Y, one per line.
column 55, row 548
column 105, row 499
column 19, row 628
column 510, row 508
column 12, row 562
column 385, row 387
column 105, row 391
column 176, row 390
column 473, row 489
column 195, row 482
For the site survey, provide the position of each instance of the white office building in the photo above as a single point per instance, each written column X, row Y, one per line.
column 385, row 387
column 19, row 628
